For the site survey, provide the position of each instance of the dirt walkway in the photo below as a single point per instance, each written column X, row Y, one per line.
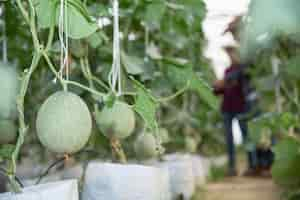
column 243, row 189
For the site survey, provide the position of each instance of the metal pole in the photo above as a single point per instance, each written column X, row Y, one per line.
column 275, row 67
column 4, row 44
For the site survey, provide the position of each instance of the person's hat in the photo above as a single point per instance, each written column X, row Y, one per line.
column 230, row 47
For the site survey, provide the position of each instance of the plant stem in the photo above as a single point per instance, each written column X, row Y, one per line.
column 86, row 69
column 50, row 38
column 32, row 25
column 25, row 79
column 85, row 88
column 118, row 150
column 290, row 96
column 23, row 11
column 179, row 92
column 100, row 82
column 23, row 128
column 128, row 25
column 52, row 68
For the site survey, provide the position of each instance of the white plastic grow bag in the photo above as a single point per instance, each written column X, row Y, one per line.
column 182, row 181
column 75, row 172
column 47, row 179
column 63, row 190
column 207, row 165
column 199, row 167
column 106, row 181
column 199, row 171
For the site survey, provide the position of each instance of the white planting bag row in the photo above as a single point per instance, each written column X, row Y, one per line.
column 199, row 167
column 199, row 170
column 63, row 190
column 75, row 172
column 47, row 179
column 182, row 181
column 106, row 181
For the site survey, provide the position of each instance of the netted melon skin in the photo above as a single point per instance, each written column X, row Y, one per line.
column 191, row 145
column 64, row 123
column 8, row 131
column 9, row 88
column 164, row 135
column 145, row 146
column 117, row 121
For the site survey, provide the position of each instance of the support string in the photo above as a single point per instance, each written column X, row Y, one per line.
column 63, row 38
column 114, row 78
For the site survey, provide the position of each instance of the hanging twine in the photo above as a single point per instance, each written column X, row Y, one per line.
column 63, row 38
column 114, row 78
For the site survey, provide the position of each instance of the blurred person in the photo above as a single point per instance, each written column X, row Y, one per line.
column 264, row 155
column 234, row 27
column 265, row 159
column 232, row 88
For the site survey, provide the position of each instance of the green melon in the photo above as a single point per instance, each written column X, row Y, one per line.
column 64, row 123
column 117, row 121
column 8, row 131
column 9, row 88
column 164, row 135
column 191, row 144
column 145, row 146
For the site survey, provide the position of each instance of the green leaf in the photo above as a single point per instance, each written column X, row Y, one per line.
column 154, row 14
column 288, row 120
column 153, row 52
column 81, row 8
column 266, row 83
column 260, row 126
column 292, row 68
column 6, row 151
column 205, row 92
column 79, row 23
column 286, row 169
column 95, row 40
column 78, row 26
column 46, row 12
column 99, row 9
column 146, row 106
column 196, row 7
column 133, row 65
column 181, row 76
column 78, row 48
column 110, row 100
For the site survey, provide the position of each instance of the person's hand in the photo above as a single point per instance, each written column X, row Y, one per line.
column 219, row 84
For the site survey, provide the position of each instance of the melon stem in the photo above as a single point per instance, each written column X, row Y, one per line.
column 118, row 151
column 14, row 184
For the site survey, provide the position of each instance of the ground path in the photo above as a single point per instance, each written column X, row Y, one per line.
column 242, row 189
